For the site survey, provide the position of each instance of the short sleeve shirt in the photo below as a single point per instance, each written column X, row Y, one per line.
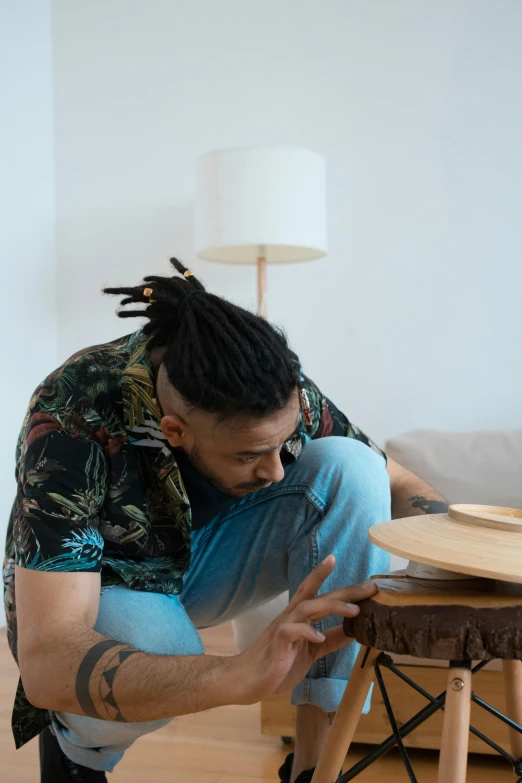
column 99, row 490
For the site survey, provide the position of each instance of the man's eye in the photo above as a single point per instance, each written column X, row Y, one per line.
column 246, row 459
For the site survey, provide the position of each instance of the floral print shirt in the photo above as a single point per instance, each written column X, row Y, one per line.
column 99, row 490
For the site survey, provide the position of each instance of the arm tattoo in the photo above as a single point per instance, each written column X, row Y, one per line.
column 85, row 680
column 429, row 506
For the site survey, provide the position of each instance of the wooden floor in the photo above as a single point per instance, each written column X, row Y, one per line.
column 220, row 746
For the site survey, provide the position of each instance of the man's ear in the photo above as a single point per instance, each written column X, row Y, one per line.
column 174, row 428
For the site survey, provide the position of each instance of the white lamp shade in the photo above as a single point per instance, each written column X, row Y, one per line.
column 272, row 198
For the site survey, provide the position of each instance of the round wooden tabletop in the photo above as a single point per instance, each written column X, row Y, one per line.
column 477, row 540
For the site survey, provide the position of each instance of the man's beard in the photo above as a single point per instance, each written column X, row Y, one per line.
column 195, row 458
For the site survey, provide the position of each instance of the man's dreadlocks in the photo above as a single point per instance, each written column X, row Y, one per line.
column 220, row 357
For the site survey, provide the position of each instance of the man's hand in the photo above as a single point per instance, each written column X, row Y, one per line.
column 283, row 654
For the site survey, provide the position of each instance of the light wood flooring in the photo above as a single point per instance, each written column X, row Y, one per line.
column 220, row 746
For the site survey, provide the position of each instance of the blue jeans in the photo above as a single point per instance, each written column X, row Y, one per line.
column 260, row 546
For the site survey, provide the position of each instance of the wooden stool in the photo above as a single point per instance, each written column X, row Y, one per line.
column 458, row 621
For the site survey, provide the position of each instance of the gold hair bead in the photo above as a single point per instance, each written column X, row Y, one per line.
column 148, row 293
column 188, row 273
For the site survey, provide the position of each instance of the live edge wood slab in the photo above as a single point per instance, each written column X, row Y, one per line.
column 476, row 619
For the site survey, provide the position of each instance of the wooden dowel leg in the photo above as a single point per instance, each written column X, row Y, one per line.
column 347, row 717
column 513, row 693
column 453, row 759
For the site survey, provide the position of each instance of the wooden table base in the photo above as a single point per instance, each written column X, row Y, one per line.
column 478, row 619
column 455, row 702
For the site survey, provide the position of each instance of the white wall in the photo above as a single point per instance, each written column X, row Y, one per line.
column 27, row 251
column 414, row 319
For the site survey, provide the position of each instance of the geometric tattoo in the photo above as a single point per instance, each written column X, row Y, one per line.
column 106, row 681
column 429, row 506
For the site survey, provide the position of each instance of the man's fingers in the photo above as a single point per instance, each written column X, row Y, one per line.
column 318, row 608
column 353, row 593
column 334, row 602
column 331, row 641
column 335, row 640
column 310, row 586
column 297, row 632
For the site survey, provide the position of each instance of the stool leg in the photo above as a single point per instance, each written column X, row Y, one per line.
column 346, row 719
column 513, row 693
column 453, row 759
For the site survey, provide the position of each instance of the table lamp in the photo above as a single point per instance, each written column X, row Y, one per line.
column 261, row 205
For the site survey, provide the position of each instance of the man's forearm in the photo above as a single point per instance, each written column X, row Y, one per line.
column 105, row 679
column 429, row 503
column 411, row 495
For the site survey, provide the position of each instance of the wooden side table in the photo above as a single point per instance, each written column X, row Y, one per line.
column 458, row 621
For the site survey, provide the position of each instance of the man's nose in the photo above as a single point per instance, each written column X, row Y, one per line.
column 271, row 468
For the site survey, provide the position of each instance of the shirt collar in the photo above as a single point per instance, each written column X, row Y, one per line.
column 140, row 405
column 142, row 416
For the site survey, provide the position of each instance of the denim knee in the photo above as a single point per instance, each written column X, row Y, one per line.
column 349, row 468
column 150, row 622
